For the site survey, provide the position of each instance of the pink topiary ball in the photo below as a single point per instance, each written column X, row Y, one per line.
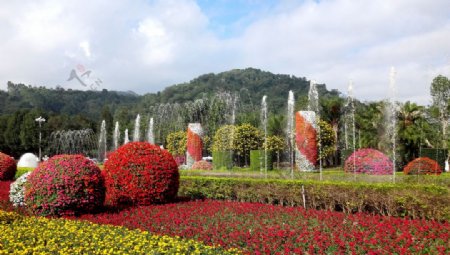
column 65, row 185
column 8, row 167
column 202, row 165
column 368, row 161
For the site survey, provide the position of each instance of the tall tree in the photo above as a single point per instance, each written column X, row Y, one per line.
column 440, row 93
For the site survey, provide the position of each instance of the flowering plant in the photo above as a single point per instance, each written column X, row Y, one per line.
column 65, row 184
column 202, row 165
column 368, row 161
column 140, row 173
column 422, row 165
column 8, row 167
column 17, row 190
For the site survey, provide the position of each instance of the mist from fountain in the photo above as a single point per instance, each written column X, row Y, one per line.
column 150, row 134
column 126, row 139
column 391, row 118
column 116, row 136
column 81, row 141
column 290, row 130
column 102, row 143
column 264, row 124
column 137, row 129
column 313, row 105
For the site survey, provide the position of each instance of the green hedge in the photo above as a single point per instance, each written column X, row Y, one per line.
column 257, row 160
column 440, row 155
column 222, row 160
column 415, row 201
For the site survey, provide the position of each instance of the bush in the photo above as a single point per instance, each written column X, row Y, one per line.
column 17, row 190
column 222, row 159
column 8, row 167
column 415, row 201
column 368, row 161
column 257, row 160
column 140, row 173
column 65, row 185
column 202, row 165
column 422, row 165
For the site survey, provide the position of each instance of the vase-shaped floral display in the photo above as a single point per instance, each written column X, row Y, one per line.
column 194, row 144
column 305, row 140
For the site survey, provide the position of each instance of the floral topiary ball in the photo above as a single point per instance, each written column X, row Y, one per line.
column 65, row 185
column 140, row 173
column 422, row 165
column 368, row 161
column 202, row 165
column 8, row 167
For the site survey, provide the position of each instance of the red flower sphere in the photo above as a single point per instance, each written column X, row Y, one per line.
column 8, row 167
column 65, row 185
column 140, row 173
column 422, row 165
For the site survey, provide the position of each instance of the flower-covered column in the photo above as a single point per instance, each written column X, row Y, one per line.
column 194, row 144
column 305, row 140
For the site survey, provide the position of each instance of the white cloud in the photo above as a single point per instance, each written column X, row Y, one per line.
column 147, row 45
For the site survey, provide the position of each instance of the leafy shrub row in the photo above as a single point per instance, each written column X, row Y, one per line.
column 415, row 201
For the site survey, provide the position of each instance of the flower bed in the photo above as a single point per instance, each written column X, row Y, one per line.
column 260, row 229
column 36, row 235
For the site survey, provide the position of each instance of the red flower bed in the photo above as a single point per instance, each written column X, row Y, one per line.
column 65, row 184
column 8, row 167
column 263, row 229
column 368, row 161
column 422, row 165
column 202, row 165
column 140, row 173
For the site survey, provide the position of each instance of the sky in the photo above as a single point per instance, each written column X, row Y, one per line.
column 147, row 45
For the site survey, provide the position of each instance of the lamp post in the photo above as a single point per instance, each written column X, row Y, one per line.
column 40, row 120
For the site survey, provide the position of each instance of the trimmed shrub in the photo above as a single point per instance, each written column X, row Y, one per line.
column 368, row 161
column 415, row 201
column 140, row 173
column 8, row 167
column 17, row 190
column 422, row 165
column 257, row 161
column 222, row 159
column 65, row 185
column 202, row 165
column 440, row 155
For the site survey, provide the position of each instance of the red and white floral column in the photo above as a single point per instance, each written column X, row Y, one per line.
column 194, row 144
column 305, row 140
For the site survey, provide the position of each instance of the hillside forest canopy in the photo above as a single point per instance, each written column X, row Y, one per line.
column 210, row 100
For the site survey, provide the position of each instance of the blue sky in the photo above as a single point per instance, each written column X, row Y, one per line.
column 147, row 45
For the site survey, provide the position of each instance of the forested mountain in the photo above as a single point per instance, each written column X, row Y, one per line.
column 67, row 109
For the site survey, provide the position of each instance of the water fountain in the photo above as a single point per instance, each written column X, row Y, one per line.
column 126, row 139
column 137, row 129
column 350, row 117
column 72, row 142
column 307, row 130
column 391, row 118
column 150, row 135
column 290, row 130
column 264, row 124
column 102, row 143
column 116, row 136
